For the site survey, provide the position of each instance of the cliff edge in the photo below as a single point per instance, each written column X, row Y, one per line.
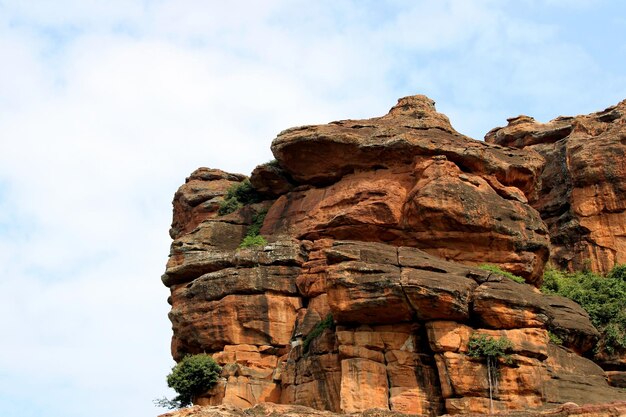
column 363, row 289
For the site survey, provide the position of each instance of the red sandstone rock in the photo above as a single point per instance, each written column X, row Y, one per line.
column 363, row 385
column 199, row 198
column 437, row 213
column 583, row 186
column 367, row 217
column 321, row 154
column 280, row 410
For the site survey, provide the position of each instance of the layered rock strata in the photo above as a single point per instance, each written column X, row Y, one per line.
column 582, row 190
column 367, row 293
column 279, row 410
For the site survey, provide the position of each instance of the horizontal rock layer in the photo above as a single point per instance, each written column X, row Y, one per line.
column 582, row 194
column 367, row 294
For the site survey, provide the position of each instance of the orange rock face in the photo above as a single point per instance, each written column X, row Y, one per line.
column 582, row 197
column 367, row 292
column 408, row 178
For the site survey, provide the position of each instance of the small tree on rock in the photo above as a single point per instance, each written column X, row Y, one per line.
column 491, row 350
column 192, row 376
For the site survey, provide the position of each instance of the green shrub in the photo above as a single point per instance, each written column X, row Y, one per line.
column 491, row 350
column 499, row 271
column 483, row 346
column 257, row 222
column 251, row 241
column 228, row 206
column 243, row 192
column 604, row 298
column 253, row 238
column 618, row 272
column 555, row 338
column 191, row 377
column 327, row 323
column 237, row 196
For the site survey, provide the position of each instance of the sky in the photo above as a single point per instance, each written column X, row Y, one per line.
column 106, row 107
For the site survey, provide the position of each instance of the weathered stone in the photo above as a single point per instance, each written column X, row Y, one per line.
column 188, row 262
column 367, row 294
column 349, row 351
column 448, row 336
column 243, row 392
column 270, row 180
column 414, row 386
column 571, row 323
column 262, row 319
column 509, row 305
column 246, row 355
column 314, row 380
column 199, row 198
column 321, row 154
column 402, row 336
column 217, row 285
column 583, row 186
column 360, row 292
column 434, row 295
column 363, row 385
column 616, row 378
column 576, row 379
column 459, row 405
column 468, row 377
column 363, row 206
column 446, row 204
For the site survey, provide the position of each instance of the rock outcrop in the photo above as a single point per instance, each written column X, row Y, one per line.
column 582, row 190
column 367, row 292
column 279, row 410
column 409, row 179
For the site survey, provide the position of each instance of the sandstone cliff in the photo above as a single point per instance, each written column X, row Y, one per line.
column 582, row 190
column 367, row 292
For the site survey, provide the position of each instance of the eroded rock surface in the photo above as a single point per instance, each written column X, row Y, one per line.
column 367, row 292
column 408, row 178
column 582, row 195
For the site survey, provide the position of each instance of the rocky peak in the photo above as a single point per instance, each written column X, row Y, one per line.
column 366, row 291
column 582, row 194
column 422, row 109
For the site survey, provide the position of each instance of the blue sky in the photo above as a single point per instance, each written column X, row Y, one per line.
column 105, row 108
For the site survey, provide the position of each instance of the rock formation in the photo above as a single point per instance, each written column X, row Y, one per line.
column 582, row 190
column 279, row 410
column 368, row 291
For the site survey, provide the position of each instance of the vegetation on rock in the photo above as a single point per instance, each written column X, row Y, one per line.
column 327, row 323
column 555, row 339
column 491, row 350
column 253, row 238
column 500, row 271
column 191, row 377
column 238, row 196
column 603, row 297
column 252, row 241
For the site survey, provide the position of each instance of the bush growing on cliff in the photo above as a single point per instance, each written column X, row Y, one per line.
column 253, row 238
column 252, row 241
column 327, row 323
column 238, row 196
column 491, row 350
column 603, row 297
column 192, row 376
column 500, row 271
